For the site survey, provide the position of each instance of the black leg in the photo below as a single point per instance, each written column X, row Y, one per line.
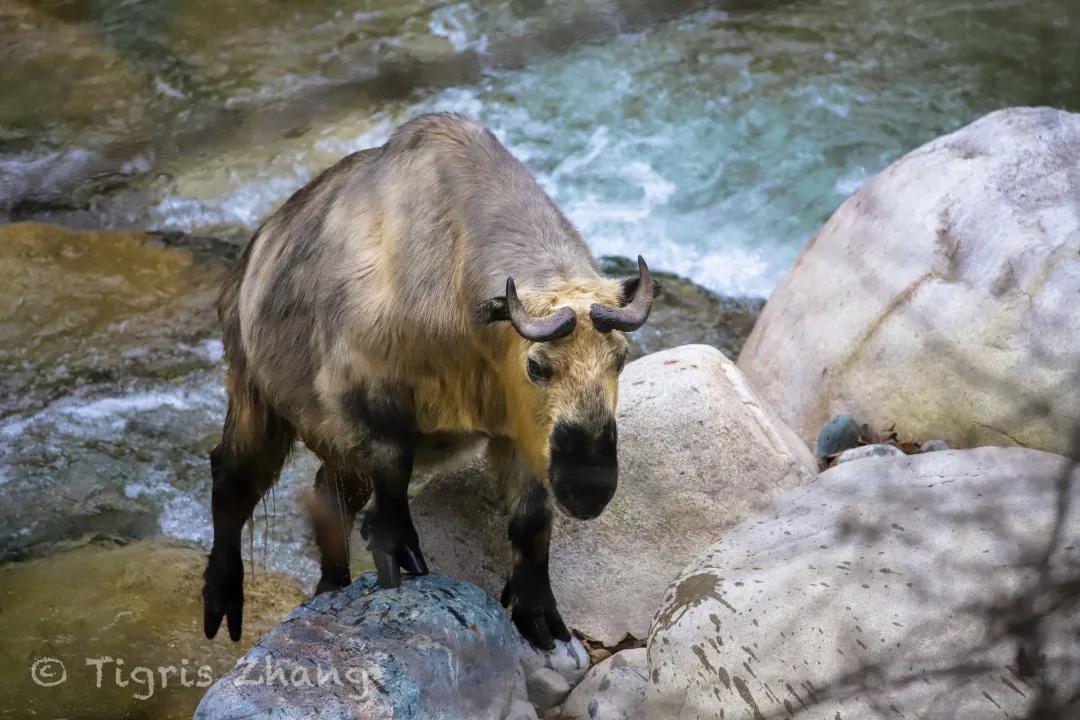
column 388, row 525
column 243, row 468
column 528, row 591
column 237, row 489
column 384, row 423
column 339, row 495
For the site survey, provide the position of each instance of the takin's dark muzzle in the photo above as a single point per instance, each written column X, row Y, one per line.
column 584, row 469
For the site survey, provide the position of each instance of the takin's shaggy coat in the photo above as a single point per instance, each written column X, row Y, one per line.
column 374, row 317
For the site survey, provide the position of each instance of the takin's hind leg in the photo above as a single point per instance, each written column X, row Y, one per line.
column 243, row 466
column 339, row 495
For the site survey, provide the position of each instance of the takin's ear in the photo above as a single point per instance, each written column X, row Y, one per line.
column 629, row 287
column 493, row 310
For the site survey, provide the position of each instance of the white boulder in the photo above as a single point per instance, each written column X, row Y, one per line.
column 941, row 297
column 925, row 586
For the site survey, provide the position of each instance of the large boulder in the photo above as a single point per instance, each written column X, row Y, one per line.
column 433, row 648
column 123, row 611
column 941, row 585
column 941, row 296
column 698, row 452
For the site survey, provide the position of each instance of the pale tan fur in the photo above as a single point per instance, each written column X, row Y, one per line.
column 369, row 277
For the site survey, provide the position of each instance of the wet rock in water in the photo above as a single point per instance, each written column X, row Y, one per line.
column 613, row 690
column 876, row 450
column 698, row 452
column 911, row 585
column 138, row 604
column 933, row 301
column 83, row 306
column 685, row 313
column 433, row 648
column 97, row 326
column 839, row 434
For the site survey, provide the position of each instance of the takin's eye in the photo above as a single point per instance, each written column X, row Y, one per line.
column 620, row 360
column 538, row 371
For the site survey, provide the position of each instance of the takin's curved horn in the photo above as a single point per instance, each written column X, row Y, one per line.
column 634, row 314
column 538, row 329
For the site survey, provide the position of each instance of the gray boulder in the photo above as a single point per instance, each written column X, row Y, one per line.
column 940, row 585
column 612, row 690
column 698, row 452
column 433, row 648
column 940, row 298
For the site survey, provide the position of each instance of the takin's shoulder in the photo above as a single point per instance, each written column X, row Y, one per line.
column 445, row 129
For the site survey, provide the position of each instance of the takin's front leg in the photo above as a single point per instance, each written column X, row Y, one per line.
column 528, row 591
column 383, row 421
column 388, row 525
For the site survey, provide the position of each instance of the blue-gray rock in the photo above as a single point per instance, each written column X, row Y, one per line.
column 869, row 451
column 435, row 648
column 839, row 434
column 934, row 446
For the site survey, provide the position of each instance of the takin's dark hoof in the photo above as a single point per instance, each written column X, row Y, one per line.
column 393, row 549
column 330, row 583
column 537, row 619
column 223, row 596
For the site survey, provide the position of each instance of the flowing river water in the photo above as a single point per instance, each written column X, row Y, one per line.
column 714, row 138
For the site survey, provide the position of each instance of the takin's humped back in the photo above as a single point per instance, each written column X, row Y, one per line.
column 412, row 300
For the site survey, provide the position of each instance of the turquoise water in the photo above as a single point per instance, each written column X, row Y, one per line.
column 713, row 138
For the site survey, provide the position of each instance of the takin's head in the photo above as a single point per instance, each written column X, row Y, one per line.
column 563, row 378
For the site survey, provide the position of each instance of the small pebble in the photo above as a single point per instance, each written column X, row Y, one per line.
column 869, row 451
column 934, row 446
column 547, row 688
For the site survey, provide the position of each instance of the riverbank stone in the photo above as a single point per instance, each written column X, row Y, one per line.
column 934, row 300
column 937, row 585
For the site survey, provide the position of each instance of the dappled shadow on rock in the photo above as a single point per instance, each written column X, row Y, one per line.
column 944, row 585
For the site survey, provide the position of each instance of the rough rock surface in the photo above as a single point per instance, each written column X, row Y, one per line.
column 612, row 690
column 885, row 588
column 698, row 452
column 941, row 296
column 433, row 648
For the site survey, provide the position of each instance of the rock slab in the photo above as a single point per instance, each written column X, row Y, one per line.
column 433, row 648
column 699, row 451
column 940, row 298
column 890, row 587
